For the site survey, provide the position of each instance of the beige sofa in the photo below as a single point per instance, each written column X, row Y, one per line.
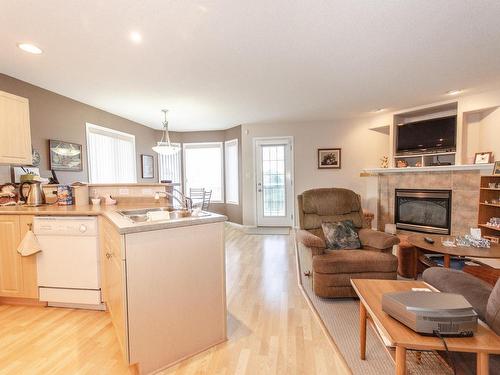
column 332, row 270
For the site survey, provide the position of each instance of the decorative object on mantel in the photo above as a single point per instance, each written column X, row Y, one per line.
column 401, row 164
column 329, row 158
column 148, row 170
column 483, row 157
column 65, row 156
column 165, row 147
column 384, row 162
column 418, row 164
column 496, row 168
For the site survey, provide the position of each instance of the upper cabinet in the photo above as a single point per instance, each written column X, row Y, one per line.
column 15, row 139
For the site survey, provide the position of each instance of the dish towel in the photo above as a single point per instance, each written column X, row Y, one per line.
column 29, row 245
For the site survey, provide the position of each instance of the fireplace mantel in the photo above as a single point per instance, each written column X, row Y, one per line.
column 442, row 168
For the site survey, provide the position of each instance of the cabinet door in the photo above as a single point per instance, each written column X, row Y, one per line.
column 30, row 286
column 17, row 273
column 15, row 142
column 114, row 281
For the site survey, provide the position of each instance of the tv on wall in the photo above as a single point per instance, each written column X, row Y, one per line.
column 434, row 135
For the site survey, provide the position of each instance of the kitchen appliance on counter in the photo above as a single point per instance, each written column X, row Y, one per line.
column 68, row 265
column 35, row 195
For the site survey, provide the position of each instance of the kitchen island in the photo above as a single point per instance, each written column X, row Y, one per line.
column 163, row 281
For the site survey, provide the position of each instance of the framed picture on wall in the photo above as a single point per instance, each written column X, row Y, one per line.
column 496, row 168
column 329, row 158
column 148, row 169
column 483, row 157
column 65, row 156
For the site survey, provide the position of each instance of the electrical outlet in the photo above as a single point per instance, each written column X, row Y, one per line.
column 147, row 192
column 123, row 192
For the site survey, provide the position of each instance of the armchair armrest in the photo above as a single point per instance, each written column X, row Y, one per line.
column 316, row 244
column 376, row 239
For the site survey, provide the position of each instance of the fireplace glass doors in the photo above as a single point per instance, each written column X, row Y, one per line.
column 426, row 211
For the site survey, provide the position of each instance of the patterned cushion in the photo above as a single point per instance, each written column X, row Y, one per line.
column 341, row 235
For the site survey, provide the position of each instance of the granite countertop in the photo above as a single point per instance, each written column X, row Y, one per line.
column 122, row 224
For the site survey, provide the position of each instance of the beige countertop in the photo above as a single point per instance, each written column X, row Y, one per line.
column 122, row 224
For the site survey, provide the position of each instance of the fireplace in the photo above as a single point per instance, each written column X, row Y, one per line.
column 426, row 211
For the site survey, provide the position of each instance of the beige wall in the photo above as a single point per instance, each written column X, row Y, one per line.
column 53, row 116
column 361, row 148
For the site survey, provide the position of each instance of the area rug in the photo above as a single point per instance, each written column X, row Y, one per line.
column 341, row 319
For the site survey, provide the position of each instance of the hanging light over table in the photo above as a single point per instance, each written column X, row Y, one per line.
column 164, row 147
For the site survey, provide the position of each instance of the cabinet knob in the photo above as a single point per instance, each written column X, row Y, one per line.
column 109, row 255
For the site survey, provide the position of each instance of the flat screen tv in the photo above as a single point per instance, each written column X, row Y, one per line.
column 434, row 135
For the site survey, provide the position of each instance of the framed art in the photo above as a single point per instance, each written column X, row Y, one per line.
column 483, row 157
column 148, row 170
column 496, row 168
column 329, row 158
column 65, row 156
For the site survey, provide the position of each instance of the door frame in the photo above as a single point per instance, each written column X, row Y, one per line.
column 291, row 199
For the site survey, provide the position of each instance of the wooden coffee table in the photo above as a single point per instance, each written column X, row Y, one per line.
column 400, row 337
column 418, row 241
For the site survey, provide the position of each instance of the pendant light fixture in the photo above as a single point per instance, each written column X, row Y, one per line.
column 164, row 147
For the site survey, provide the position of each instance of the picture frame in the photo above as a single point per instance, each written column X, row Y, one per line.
column 483, row 157
column 148, row 169
column 496, row 168
column 65, row 156
column 329, row 158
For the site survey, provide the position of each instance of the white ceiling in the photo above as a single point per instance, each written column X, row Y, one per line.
column 220, row 63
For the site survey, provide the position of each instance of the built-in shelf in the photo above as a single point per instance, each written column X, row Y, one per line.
column 489, row 227
column 441, row 168
column 490, row 204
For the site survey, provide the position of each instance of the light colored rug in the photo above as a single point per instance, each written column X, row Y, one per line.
column 341, row 319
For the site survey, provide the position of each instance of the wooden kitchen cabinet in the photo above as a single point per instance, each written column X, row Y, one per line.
column 15, row 142
column 18, row 277
column 113, row 280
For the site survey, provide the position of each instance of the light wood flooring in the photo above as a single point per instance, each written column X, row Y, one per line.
column 271, row 328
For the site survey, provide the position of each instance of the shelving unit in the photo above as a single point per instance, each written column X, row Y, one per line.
column 489, row 210
column 428, row 159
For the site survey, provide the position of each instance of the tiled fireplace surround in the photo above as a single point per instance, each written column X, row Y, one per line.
column 463, row 184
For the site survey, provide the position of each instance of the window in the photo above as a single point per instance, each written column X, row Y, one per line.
column 169, row 167
column 203, row 168
column 111, row 155
column 231, row 171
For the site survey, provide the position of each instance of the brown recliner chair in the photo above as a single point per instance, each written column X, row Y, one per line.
column 332, row 270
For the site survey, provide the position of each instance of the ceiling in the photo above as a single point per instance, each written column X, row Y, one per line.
column 221, row 63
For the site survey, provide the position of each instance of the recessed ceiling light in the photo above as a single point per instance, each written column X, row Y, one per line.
column 453, row 92
column 135, row 37
column 30, row 48
column 379, row 110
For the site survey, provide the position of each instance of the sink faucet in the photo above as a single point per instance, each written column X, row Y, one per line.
column 186, row 202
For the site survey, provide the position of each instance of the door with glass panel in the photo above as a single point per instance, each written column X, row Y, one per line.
column 273, row 160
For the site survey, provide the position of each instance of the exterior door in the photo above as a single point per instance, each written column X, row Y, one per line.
column 274, row 181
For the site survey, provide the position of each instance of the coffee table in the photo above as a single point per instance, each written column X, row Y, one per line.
column 397, row 335
column 418, row 241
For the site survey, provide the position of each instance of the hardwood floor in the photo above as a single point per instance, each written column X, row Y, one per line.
column 271, row 328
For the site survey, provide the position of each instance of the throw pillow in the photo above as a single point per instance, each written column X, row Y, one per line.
column 341, row 235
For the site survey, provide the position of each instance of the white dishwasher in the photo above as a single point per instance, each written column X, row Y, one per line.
column 68, row 265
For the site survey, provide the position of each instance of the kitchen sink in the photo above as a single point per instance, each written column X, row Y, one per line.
column 141, row 215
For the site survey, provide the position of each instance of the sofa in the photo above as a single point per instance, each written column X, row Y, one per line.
column 484, row 298
column 332, row 270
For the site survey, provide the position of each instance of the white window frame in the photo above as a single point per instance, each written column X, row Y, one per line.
column 88, row 130
column 232, row 142
column 185, row 146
